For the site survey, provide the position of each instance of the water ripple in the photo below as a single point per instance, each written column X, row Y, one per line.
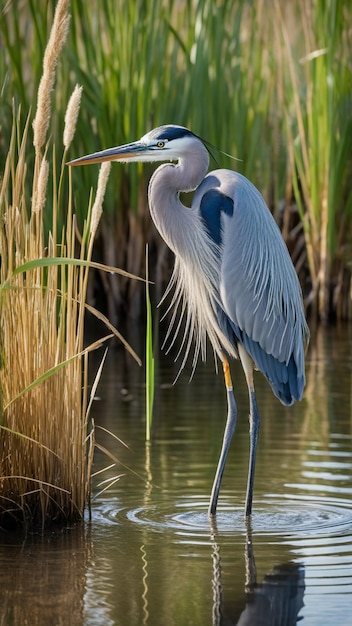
column 275, row 515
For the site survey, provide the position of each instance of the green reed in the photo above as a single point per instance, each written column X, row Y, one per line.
column 149, row 358
column 318, row 88
column 269, row 83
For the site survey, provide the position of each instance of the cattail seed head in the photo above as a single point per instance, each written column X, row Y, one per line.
column 72, row 115
column 53, row 49
column 98, row 203
column 41, row 187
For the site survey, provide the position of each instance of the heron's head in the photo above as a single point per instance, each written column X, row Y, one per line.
column 165, row 143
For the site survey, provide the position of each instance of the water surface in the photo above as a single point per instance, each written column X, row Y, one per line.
column 149, row 554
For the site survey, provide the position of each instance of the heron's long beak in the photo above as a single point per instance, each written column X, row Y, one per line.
column 128, row 152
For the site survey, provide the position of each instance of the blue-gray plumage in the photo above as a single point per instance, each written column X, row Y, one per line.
column 233, row 279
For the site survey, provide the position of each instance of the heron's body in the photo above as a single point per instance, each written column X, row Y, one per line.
column 233, row 277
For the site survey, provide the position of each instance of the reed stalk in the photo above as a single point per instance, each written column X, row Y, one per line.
column 46, row 435
column 149, row 358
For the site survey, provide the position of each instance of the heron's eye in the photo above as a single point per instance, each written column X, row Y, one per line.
column 161, row 144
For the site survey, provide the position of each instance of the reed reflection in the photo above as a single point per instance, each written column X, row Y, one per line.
column 43, row 579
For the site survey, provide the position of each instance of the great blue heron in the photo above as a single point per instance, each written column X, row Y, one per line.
column 232, row 270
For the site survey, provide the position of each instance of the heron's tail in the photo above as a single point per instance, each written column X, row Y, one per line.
column 287, row 380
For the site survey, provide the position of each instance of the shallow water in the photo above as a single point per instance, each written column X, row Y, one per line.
column 149, row 554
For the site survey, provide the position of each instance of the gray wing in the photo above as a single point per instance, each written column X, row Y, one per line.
column 259, row 288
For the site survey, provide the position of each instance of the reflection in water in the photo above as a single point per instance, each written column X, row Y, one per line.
column 43, row 579
column 302, row 522
column 217, row 586
column 276, row 601
column 145, row 586
column 149, row 556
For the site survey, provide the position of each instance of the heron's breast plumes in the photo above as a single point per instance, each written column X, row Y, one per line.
column 195, row 298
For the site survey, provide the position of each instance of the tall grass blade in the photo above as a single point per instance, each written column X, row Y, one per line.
column 149, row 358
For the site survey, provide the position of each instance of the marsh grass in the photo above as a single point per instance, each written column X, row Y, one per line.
column 46, row 442
column 269, row 83
column 46, row 435
column 318, row 89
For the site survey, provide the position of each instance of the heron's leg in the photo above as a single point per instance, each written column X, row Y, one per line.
column 229, row 430
column 254, row 422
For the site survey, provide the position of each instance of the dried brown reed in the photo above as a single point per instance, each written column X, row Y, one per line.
column 44, row 473
column 46, row 438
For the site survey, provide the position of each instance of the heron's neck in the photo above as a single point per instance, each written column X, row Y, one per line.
column 173, row 220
